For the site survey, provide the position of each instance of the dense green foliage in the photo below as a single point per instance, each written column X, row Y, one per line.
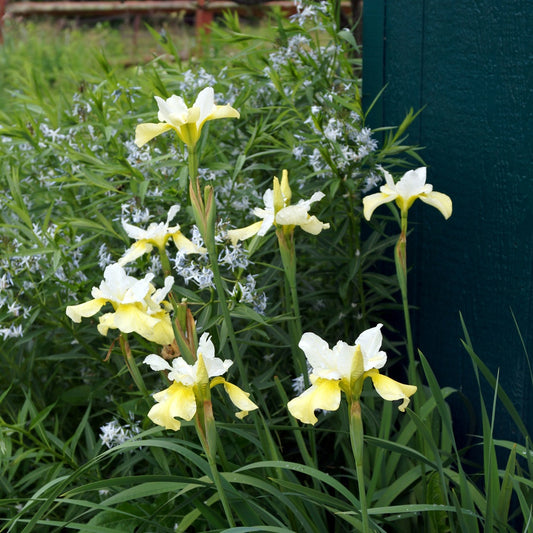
column 76, row 448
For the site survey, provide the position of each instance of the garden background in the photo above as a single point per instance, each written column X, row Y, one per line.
column 439, row 84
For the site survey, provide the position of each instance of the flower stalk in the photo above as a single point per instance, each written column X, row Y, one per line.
column 205, row 216
column 132, row 365
column 206, row 430
column 357, row 442
column 288, row 258
column 400, row 260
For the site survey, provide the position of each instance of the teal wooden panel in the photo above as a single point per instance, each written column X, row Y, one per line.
column 470, row 64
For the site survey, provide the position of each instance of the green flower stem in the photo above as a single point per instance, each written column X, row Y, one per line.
column 357, row 441
column 219, row 285
column 193, row 162
column 400, row 259
column 179, row 324
column 207, row 435
column 132, row 365
column 288, row 259
column 165, row 262
column 205, row 216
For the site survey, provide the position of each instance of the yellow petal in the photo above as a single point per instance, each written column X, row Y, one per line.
column 391, row 390
column 130, row 318
column 135, row 251
column 146, row 132
column 278, row 202
column 241, row 234
column 182, row 243
column 372, row 201
column 223, row 111
column 240, row 399
column 285, row 188
column 177, row 400
column 90, row 308
column 162, row 333
column 439, row 200
column 323, row 394
column 313, row 226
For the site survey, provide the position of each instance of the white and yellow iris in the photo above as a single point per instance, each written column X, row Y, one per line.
column 411, row 186
column 279, row 212
column 344, row 369
column 138, row 306
column 180, row 399
column 187, row 122
column 157, row 235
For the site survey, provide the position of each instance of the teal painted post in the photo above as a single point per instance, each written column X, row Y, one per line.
column 470, row 64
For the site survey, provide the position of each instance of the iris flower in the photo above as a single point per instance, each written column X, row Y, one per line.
column 344, row 368
column 187, row 122
column 411, row 186
column 180, row 399
column 156, row 235
column 279, row 212
column 137, row 306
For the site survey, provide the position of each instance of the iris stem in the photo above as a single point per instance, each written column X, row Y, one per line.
column 132, row 365
column 201, row 431
column 205, row 215
column 292, row 305
column 400, row 257
column 357, row 441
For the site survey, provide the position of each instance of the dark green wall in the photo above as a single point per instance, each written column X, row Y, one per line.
column 470, row 63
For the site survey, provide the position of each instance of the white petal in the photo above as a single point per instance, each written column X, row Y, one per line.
column 159, row 294
column 343, row 355
column 370, row 341
column 172, row 212
column 319, row 355
column 413, row 183
column 133, row 231
column 170, row 108
column 182, row 372
column 206, row 347
column 205, row 101
column 138, row 290
column 292, row 215
column 156, row 362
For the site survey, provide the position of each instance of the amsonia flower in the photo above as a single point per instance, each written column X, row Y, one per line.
column 187, row 122
column 344, row 368
column 411, row 186
column 189, row 382
column 157, row 235
column 279, row 212
column 137, row 306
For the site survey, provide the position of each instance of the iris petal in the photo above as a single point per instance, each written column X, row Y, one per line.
column 146, row 132
column 177, row 400
column 135, row 251
column 440, row 201
column 239, row 398
column 391, row 390
column 242, row 234
column 84, row 310
column 186, row 245
column 323, row 394
column 372, row 201
column 313, row 226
